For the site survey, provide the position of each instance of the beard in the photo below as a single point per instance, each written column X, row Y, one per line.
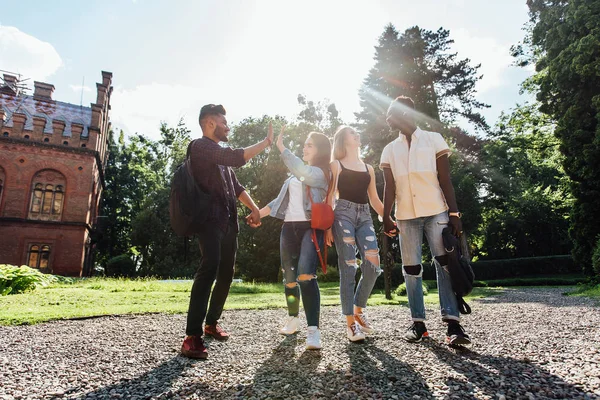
column 221, row 134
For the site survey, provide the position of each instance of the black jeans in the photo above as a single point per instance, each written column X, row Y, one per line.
column 218, row 250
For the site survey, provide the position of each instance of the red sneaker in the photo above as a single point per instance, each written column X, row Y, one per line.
column 216, row 331
column 193, row 347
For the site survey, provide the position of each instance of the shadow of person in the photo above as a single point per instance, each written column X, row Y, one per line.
column 156, row 382
column 496, row 376
column 281, row 376
column 382, row 374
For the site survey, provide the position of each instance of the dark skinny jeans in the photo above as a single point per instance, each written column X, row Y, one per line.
column 218, row 251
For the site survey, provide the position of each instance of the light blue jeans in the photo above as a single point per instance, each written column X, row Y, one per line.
column 353, row 231
column 411, row 238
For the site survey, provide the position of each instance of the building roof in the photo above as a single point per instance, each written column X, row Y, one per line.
column 50, row 110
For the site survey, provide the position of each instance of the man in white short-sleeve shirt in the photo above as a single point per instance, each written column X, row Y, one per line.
column 416, row 171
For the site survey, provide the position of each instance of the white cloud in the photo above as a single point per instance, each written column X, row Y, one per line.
column 493, row 56
column 27, row 55
column 78, row 88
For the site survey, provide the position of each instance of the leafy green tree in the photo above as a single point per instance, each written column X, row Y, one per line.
column 564, row 43
column 526, row 198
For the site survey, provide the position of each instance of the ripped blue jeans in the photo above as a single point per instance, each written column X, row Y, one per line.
column 410, row 233
column 299, row 257
column 353, row 232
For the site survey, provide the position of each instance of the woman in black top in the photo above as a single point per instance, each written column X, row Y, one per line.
column 353, row 231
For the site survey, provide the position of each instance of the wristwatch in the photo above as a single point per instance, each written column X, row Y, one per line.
column 455, row 214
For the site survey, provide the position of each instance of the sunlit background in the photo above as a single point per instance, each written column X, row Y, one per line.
column 255, row 57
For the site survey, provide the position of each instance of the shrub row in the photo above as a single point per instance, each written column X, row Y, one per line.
column 502, row 269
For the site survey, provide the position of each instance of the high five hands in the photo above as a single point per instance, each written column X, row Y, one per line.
column 279, row 142
column 253, row 219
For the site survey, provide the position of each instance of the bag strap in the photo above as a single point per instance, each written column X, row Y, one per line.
column 322, row 257
column 326, row 196
column 463, row 307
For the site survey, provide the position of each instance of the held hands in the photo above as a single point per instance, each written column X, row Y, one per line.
column 253, row 219
column 279, row 143
column 389, row 227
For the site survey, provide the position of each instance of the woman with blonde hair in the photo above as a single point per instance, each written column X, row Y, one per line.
column 353, row 230
column 299, row 258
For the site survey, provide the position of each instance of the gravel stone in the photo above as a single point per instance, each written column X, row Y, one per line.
column 529, row 343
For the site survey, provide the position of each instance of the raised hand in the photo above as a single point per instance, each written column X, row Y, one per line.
column 269, row 138
column 280, row 145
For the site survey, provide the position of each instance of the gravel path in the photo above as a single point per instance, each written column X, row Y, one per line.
column 528, row 343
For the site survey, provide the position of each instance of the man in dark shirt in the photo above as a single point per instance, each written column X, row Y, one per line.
column 211, row 166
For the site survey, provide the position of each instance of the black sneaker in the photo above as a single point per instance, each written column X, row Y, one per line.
column 456, row 335
column 416, row 332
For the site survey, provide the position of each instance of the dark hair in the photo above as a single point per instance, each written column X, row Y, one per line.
column 407, row 101
column 211, row 109
column 323, row 156
column 399, row 104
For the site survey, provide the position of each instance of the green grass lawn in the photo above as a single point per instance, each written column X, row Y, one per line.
column 103, row 296
column 592, row 291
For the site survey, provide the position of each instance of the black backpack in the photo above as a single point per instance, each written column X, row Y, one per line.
column 459, row 268
column 188, row 203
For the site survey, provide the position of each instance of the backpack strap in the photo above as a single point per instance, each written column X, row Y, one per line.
column 463, row 307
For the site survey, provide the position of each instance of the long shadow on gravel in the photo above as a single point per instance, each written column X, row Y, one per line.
column 156, row 382
column 383, row 373
column 495, row 376
column 282, row 375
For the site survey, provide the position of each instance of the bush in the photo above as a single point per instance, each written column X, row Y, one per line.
column 332, row 275
column 540, row 281
column 596, row 258
column 516, row 267
column 15, row 279
column 401, row 290
column 121, row 265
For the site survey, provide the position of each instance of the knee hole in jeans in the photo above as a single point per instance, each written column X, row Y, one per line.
column 291, row 284
column 306, row 277
column 372, row 256
column 412, row 269
column 349, row 240
column 443, row 260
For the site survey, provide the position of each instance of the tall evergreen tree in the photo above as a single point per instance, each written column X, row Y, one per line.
column 419, row 64
column 565, row 46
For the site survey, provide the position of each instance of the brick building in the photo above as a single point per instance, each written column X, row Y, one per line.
column 52, row 158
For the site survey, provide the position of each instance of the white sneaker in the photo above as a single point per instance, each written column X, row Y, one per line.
column 354, row 333
column 362, row 320
column 291, row 326
column 313, row 338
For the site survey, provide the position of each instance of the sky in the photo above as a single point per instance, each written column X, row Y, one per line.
column 168, row 58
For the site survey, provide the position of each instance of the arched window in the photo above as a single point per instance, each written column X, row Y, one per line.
column 47, row 196
column 83, row 145
column 65, row 143
column 26, row 137
column 38, row 256
column 5, row 134
column 46, row 140
column 36, row 200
